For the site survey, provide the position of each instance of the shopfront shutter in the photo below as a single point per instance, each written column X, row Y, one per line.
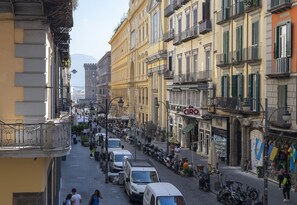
column 289, row 39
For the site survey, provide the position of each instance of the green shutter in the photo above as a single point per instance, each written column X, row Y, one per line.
column 234, row 86
column 257, row 94
column 276, row 44
column 227, row 48
column 222, row 86
column 250, row 86
column 240, row 86
column 289, row 39
column 228, row 86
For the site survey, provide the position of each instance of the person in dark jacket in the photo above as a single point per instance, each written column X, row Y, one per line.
column 286, row 183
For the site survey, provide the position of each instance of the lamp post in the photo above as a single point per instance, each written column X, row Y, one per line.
column 167, row 112
column 106, row 111
column 286, row 116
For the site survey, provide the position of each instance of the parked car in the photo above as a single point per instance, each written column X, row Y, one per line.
column 116, row 159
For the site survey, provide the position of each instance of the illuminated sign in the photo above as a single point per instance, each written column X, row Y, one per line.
column 191, row 110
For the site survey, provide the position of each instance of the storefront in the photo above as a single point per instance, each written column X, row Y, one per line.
column 221, row 138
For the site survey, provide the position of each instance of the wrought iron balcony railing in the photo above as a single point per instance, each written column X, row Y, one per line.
column 277, row 6
column 239, row 56
column 223, row 59
column 168, row 36
column 189, row 33
column 169, row 10
column 180, row 78
column 254, row 53
column 177, row 4
column 223, row 15
column 39, row 140
column 168, row 74
column 183, row 2
column 205, row 26
column 177, row 39
column 280, row 67
column 235, row 104
column 237, row 9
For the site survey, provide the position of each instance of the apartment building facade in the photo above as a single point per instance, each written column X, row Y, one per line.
column 34, row 122
column 103, row 78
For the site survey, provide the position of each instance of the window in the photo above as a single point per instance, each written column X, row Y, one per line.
column 179, row 25
column 254, row 90
column 179, row 65
column 225, row 86
column 188, row 71
column 283, row 47
column 132, row 41
column 171, row 23
column 237, row 86
column 188, row 21
column 207, row 64
column 255, row 40
column 282, row 102
column 155, row 28
column 195, row 59
column 226, row 46
column 239, row 44
column 206, row 10
column 170, row 63
column 195, row 16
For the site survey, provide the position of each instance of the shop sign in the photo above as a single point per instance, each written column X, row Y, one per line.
column 191, row 110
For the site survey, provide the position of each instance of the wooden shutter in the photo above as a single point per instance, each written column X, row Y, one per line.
column 228, row 86
column 250, row 86
column 207, row 9
column 257, row 94
column 203, row 11
column 222, row 86
column 234, row 86
column 289, row 39
column 276, row 43
column 240, row 86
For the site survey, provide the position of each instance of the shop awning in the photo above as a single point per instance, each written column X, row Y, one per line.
column 188, row 128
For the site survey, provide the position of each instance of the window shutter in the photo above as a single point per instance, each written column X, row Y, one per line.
column 227, row 44
column 228, row 86
column 207, row 9
column 276, row 38
column 234, row 86
column 222, row 86
column 250, row 86
column 203, row 11
column 289, row 39
column 257, row 94
column 240, row 86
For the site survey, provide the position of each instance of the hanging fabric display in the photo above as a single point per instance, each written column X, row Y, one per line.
column 270, row 150
column 273, row 153
column 260, row 151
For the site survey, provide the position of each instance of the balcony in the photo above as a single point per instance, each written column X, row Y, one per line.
column 239, row 56
column 189, row 33
column 180, row 78
column 254, row 54
column 238, row 9
column 280, row 67
column 183, row 2
column 177, row 4
column 177, row 39
column 235, row 105
column 52, row 139
column 204, row 75
column 277, row 6
column 168, row 74
column 223, row 59
column 223, row 16
column 205, row 26
column 169, row 10
column 252, row 5
column 168, row 36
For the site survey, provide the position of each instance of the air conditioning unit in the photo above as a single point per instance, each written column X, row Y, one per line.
column 211, row 109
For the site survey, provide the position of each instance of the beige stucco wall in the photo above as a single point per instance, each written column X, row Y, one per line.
column 22, row 175
column 10, row 93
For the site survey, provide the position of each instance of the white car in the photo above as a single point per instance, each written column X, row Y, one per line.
column 116, row 159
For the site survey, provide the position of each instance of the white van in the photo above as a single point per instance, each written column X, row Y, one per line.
column 137, row 174
column 162, row 193
column 116, row 159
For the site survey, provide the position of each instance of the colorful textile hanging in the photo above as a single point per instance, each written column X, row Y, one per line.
column 292, row 164
column 270, row 150
column 273, row 153
column 260, row 151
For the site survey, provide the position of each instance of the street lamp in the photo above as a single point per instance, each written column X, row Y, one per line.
column 106, row 111
column 167, row 112
column 286, row 116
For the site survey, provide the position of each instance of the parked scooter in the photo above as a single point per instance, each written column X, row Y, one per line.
column 204, row 181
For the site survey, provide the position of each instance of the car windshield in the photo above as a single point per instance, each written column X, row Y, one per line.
column 119, row 157
column 114, row 143
column 170, row 200
column 144, row 176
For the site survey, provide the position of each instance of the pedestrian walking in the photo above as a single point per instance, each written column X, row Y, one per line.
column 67, row 200
column 280, row 177
column 95, row 198
column 286, row 183
column 75, row 198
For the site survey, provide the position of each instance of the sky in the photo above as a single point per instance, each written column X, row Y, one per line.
column 94, row 22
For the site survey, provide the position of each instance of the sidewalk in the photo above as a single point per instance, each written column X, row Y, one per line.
column 275, row 196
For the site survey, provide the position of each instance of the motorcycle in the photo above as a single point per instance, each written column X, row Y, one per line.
column 204, row 182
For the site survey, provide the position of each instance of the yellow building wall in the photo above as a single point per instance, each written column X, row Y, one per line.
column 10, row 94
column 22, row 175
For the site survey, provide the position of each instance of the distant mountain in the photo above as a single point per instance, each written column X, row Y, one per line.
column 77, row 63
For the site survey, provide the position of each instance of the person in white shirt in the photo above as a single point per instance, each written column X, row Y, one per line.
column 76, row 198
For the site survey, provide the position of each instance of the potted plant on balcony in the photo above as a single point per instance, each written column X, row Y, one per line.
column 250, row 2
